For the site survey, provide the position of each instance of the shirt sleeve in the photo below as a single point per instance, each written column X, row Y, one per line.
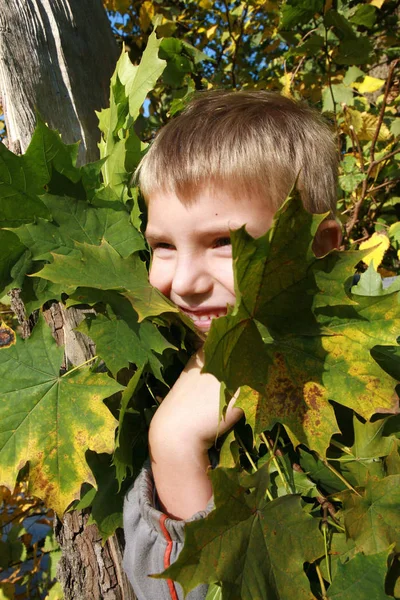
column 153, row 541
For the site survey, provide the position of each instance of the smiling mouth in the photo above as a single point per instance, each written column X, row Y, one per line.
column 202, row 318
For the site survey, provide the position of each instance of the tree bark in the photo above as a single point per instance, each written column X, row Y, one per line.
column 57, row 57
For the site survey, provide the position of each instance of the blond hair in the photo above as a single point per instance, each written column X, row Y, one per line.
column 253, row 142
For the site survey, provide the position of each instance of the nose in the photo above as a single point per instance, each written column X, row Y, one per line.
column 191, row 276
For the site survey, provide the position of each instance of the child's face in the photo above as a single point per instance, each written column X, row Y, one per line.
column 192, row 254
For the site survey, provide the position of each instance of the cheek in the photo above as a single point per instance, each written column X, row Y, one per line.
column 160, row 277
column 224, row 274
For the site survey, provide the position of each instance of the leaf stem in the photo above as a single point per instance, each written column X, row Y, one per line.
column 339, row 475
column 271, row 450
column 341, row 447
column 79, row 366
column 328, row 568
column 321, row 582
column 251, row 461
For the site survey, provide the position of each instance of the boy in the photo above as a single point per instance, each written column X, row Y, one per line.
column 230, row 159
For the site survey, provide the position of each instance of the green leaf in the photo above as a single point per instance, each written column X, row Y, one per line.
column 19, row 201
column 298, row 12
column 77, row 221
column 388, row 358
column 254, row 534
column 107, row 503
column 341, row 94
column 372, row 518
column 352, row 176
column 101, row 267
column 318, row 472
column 362, row 577
column 178, row 64
column 129, row 87
column 49, row 420
column 371, row 284
column 121, row 340
column 354, row 52
column 365, row 15
column 296, row 337
column 363, row 458
column 11, row 250
column 352, row 74
column 340, row 24
column 131, row 442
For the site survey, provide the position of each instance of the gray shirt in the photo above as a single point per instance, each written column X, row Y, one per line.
column 153, row 542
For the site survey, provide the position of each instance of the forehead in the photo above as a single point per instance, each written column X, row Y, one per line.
column 208, row 208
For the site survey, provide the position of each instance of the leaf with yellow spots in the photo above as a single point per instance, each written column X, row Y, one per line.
column 378, row 243
column 296, row 335
column 51, row 420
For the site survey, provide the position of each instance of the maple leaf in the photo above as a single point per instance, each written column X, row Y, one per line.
column 51, row 420
column 243, row 542
column 372, row 517
column 101, row 267
column 297, row 337
column 362, row 577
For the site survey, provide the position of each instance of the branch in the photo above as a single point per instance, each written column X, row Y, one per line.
column 383, row 107
column 364, row 190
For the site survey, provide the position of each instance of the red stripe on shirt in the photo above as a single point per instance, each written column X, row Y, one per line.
column 167, row 556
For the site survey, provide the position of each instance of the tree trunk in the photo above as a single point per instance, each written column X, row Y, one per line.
column 57, row 57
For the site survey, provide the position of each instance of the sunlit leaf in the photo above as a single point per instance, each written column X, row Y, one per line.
column 378, row 243
column 296, row 338
column 49, row 420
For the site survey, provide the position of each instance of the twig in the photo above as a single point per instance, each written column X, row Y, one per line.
column 357, row 206
column 384, row 184
column 296, row 70
column 328, row 60
column 383, row 107
column 355, row 139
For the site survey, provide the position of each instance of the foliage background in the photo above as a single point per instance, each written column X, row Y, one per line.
column 339, row 57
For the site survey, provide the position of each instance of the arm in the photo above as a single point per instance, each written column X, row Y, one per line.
column 182, row 430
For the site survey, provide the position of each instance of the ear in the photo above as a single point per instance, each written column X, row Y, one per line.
column 328, row 236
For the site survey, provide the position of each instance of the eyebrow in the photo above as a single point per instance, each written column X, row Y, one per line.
column 154, row 236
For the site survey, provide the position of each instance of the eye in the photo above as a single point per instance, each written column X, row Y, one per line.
column 162, row 245
column 221, row 242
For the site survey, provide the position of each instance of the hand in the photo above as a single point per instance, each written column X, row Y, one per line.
column 184, row 427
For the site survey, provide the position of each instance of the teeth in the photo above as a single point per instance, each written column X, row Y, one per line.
column 209, row 317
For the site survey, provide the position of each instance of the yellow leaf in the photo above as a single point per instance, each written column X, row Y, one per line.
column 210, row 33
column 377, row 3
column 286, row 81
column 206, row 4
column 117, row 5
column 7, row 336
column 368, row 129
column 369, row 85
column 354, row 118
column 379, row 243
column 146, row 14
column 7, row 591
